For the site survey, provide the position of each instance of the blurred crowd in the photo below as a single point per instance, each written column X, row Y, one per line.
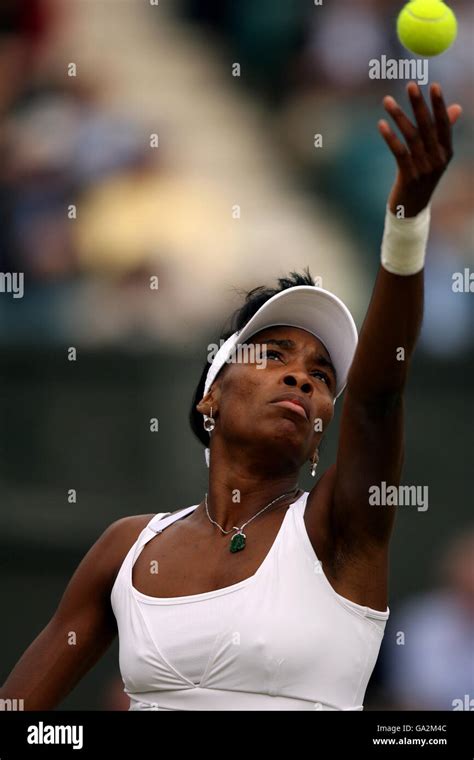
column 312, row 68
column 90, row 212
column 60, row 147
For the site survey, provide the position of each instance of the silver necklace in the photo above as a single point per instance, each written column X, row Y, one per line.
column 237, row 542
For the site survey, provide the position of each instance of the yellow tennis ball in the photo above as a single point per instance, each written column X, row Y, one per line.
column 427, row 27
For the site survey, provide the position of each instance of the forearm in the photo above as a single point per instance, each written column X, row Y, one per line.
column 391, row 327
column 50, row 667
column 387, row 338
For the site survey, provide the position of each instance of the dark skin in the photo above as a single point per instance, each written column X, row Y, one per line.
column 258, row 449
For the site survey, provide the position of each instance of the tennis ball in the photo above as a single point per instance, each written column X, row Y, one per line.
column 426, row 27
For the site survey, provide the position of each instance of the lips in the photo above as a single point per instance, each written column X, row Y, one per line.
column 295, row 403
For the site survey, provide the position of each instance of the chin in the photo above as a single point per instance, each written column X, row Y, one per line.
column 289, row 430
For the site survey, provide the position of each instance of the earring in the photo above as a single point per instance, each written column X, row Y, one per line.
column 314, row 463
column 209, row 422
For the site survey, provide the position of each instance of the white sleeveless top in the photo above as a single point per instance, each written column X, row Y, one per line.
column 282, row 639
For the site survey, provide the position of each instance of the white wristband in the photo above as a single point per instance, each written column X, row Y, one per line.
column 404, row 242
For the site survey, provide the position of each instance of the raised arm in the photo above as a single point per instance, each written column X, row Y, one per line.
column 81, row 629
column 371, row 446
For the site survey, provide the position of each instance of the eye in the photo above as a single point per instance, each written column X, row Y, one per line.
column 323, row 375
column 270, row 351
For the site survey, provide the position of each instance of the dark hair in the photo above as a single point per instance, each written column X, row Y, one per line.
column 254, row 299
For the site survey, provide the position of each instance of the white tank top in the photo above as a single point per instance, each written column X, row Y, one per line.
column 282, row 639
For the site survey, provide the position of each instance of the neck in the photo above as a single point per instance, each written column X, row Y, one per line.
column 240, row 486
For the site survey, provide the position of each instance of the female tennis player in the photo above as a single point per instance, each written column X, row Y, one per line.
column 263, row 596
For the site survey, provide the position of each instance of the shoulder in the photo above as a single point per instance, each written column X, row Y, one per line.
column 125, row 526
column 92, row 580
column 121, row 534
column 109, row 551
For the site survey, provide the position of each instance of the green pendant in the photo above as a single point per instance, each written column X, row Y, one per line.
column 237, row 542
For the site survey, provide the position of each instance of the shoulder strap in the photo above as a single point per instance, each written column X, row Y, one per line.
column 156, row 518
column 162, row 519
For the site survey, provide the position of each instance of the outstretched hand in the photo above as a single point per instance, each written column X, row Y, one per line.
column 428, row 150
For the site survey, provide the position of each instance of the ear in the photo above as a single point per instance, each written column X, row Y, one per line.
column 210, row 399
column 204, row 406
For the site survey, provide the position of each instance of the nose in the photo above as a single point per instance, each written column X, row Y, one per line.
column 297, row 379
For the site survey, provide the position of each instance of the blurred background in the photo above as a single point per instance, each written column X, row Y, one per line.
column 176, row 141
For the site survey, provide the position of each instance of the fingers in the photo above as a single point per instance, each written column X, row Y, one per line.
column 408, row 130
column 443, row 126
column 424, row 121
column 399, row 150
column 430, row 140
column 445, row 118
column 454, row 112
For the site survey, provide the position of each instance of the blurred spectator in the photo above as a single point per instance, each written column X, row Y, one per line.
column 428, row 647
column 59, row 143
column 448, row 321
column 340, row 40
column 264, row 37
column 24, row 26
